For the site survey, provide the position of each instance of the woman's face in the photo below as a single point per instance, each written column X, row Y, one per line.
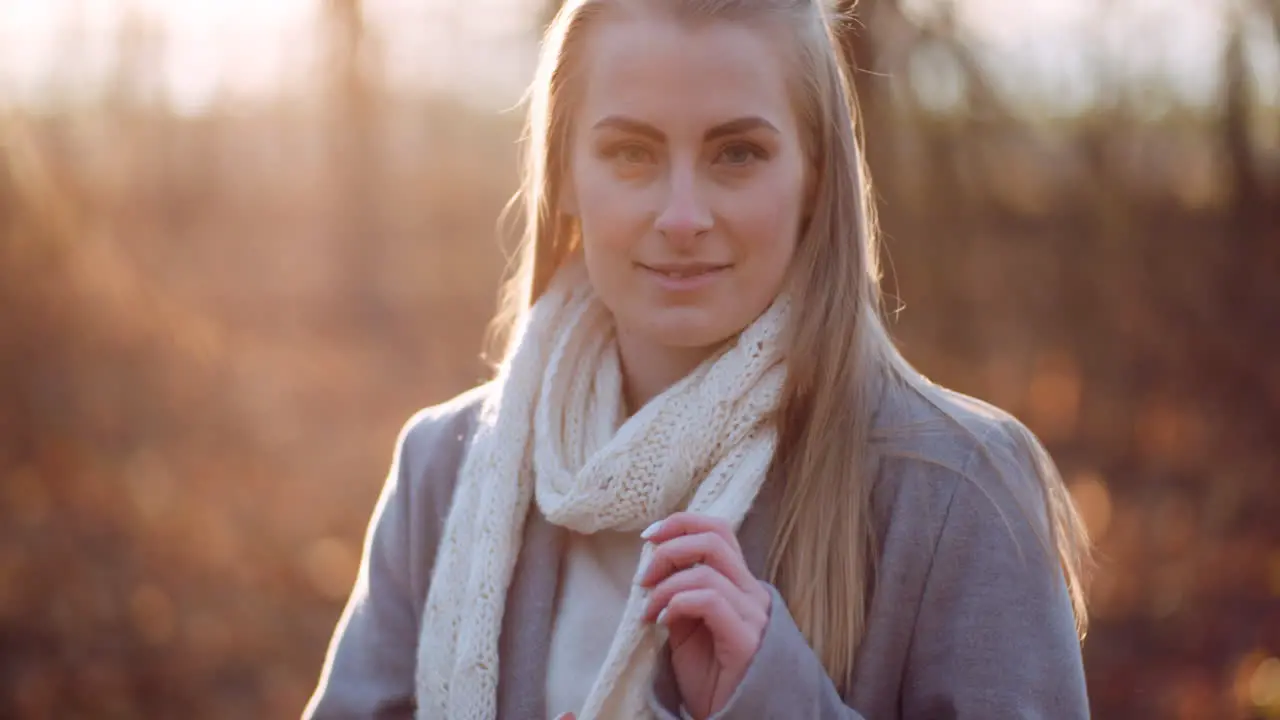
column 687, row 174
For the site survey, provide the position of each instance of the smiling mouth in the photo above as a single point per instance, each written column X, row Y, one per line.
column 684, row 272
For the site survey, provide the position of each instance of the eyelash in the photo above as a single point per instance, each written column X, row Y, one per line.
column 757, row 152
column 615, row 152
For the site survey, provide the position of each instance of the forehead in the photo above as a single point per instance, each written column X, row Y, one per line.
column 674, row 74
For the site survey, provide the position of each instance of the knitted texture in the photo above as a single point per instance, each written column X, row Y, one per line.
column 554, row 430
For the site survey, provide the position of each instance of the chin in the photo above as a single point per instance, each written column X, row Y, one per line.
column 686, row 328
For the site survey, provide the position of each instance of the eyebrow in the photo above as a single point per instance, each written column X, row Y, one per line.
column 732, row 127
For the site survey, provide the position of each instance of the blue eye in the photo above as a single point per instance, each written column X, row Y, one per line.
column 740, row 154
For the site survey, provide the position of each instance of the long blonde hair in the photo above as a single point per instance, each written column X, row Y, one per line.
column 822, row 554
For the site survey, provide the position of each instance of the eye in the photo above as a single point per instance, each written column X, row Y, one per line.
column 629, row 154
column 740, row 153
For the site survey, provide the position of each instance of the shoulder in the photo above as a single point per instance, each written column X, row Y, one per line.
column 969, row 574
column 419, row 490
column 433, row 442
column 925, row 423
column 941, row 451
column 934, row 424
column 966, row 503
column 445, row 424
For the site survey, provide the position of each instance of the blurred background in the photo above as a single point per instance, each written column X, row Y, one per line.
column 242, row 241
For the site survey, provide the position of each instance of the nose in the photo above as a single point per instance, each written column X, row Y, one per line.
column 685, row 216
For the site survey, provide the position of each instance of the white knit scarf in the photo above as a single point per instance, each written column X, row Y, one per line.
column 554, row 430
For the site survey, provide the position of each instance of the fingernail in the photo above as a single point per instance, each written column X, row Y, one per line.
column 662, row 617
column 651, row 530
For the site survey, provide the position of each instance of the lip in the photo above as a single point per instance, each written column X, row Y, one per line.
column 683, row 277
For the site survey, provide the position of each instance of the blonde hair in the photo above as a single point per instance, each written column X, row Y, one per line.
column 822, row 554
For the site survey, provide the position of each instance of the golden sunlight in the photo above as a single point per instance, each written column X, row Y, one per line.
column 201, row 51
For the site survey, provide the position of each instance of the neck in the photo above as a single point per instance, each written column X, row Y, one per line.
column 649, row 369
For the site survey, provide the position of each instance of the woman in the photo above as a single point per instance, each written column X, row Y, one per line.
column 704, row 482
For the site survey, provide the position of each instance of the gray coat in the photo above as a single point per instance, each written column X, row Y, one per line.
column 969, row 617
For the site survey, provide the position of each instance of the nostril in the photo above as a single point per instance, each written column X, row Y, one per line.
column 685, row 223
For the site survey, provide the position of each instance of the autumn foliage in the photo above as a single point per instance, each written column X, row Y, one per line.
column 212, row 327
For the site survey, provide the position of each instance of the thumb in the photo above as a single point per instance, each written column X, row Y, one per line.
column 565, row 716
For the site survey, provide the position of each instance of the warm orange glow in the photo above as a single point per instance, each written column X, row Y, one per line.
column 1094, row 502
column 1264, row 686
column 1273, row 575
column 1054, row 397
column 1171, row 432
column 239, row 250
column 252, row 47
column 153, row 614
column 331, row 566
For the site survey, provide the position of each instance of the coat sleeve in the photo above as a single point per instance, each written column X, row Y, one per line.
column 785, row 679
column 993, row 635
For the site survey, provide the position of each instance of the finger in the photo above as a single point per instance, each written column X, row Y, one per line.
column 690, row 523
column 703, row 577
column 688, row 550
column 565, row 716
column 730, row 632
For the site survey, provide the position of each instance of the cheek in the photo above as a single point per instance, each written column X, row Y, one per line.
column 766, row 222
column 608, row 211
column 608, row 237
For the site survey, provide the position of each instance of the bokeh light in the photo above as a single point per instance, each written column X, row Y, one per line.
column 241, row 242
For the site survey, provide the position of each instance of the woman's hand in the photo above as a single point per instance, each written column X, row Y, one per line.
column 715, row 610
